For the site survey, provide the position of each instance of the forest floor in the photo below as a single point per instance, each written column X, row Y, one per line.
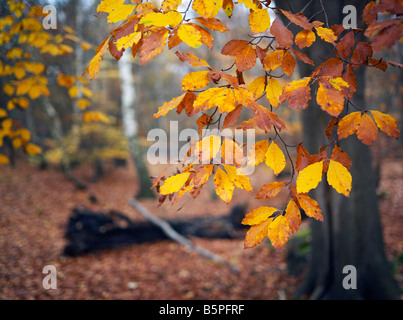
column 35, row 206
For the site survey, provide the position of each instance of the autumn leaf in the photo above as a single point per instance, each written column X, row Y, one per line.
column 4, row 159
column 275, row 158
column 329, row 98
column 212, row 24
column 348, row 125
column 310, row 206
column 367, row 131
column 257, row 86
column 273, row 92
column 386, row 123
column 270, row 190
column 207, row 8
column 305, row 38
column 300, row 20
column 95, row 62
column 195, row 80
column 258, row 215
column 340, row 156
column 326, row 34
column 232, row 117
column 279, row 231
column 192, row 59
column 273, row 60
column 256, row 234
column 231, row 152
column 223, row 98
column 168, row 106
column 339, row 178
column 190, row 34
column 288, row 63
column 257, row 153
column 293, row 216
column 32, row 149
column 259, row 20
column 65, row 80
column 282, row 35
column 309, row 177
column 174, row 183
column 297, row 93
column 153, row 45
column 207, row 148
column 223, row 185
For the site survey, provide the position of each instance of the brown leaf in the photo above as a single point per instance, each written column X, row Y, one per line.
column 282, row 35
column 367, row 131
column 293, row 216
column 310, row 206
column 270, row 190
column 348, row 125
column 340, row 156
column 153, row 45
column 288, row 64
column 232, row 117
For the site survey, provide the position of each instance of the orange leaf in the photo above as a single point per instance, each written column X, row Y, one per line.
column 273, row 60
column 256, row 234
column 329, row 98
column 257, row 153
column 265, row 118
column 340, row 156
column 348, row 125
column 153, row 45
column 231, row 152
column 232, row 117
column 270, row 190
column 288, row 64
column 305, row 38
column 386, row 123
column 300, row 20
column 168, row 106
column 310, row 206
column 279, row 231
column 297, row 94
column 192, row 59
column 282, row 35
column 293, row 216
column 367, row 131
column 212, row 24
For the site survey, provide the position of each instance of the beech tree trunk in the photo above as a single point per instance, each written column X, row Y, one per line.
column 351, row 233
column 130, row 127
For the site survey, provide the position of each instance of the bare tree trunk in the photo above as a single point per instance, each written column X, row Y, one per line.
column 130, row 126
column 351, row 233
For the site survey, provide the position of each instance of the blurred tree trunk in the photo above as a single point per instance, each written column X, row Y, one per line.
column 57, row 134
column 130, row 126
column 351, row 233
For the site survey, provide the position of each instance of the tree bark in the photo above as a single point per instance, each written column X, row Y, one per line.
column 130, row 127
column 351, row 233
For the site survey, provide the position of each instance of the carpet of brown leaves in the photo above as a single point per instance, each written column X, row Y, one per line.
column 35, row 206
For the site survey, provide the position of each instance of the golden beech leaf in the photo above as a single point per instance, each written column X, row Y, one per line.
column 340, row 156
column 223, row 185
column 367, row 131
column 305, row 38
column 83, row 103
column 258, row 215
column 153, row 45
column 326, row 34
column 270, row 190
column 158, row 19
column 223, row 98
column 73, row 92
column 279, row 231
column 309, row 177
column 174, row 183
column 65, row 80
column 168, row 106
column 293, row 216
column 259, row 20
column 212, row 24
column 348, row 125
column 192, row 59
column 243, row 182
column 310, row 206
column 339, row 178
column 273, row 60
column 207, row 148
column 203, row 173
column 207, row 8
column 257, row 153
column 274, row 92
column 3, row 113
column 190, row 35
column 275, row 158
column 329, row 98
column 386, row 123
column 195, row 80
column 95, row 62
column 128, row 41
column 256, row 234
column 257, row 86
column 231, row 152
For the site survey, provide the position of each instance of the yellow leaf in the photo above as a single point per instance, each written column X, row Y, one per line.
column 293, row 216
column 223, row 98
column 249, row 4
column 32, row 149
column 174, row 183
column 279, row 231
column 128, row 41
column 257, row 153
column 259, row 20
column 19, row 72
column 270, row 190
column 167, row 106
column 207, row 8
column 83, row 103
column 207, row 148
column 95, row 62
column 65, row 80
column 24, row 134
column 305, row 38
column 339, row 178
column 158, row 19
column 275, row 158
column 23, row 102
column 223, row 185
column 195, row 80
column 257, row 86
column 326, row 34
column 3, row 113
column 8, row 89
column 309, row 177
column 86, row 92
column 189, row 34
column 34, row 67
column 256, row 234
column 258, row 215
column 4, row 159
column 273, row 92
column 17, row 142
column 231, row 152
column 310, row 207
